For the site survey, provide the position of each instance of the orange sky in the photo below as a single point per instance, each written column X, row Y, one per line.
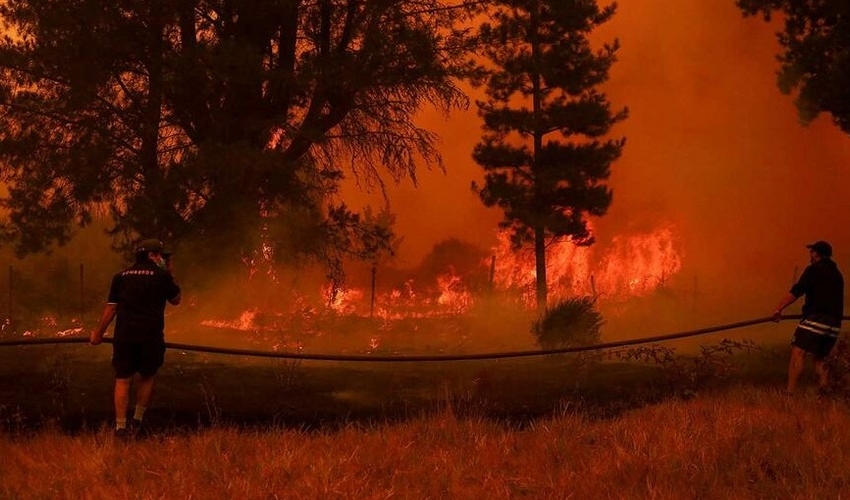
column 711, row 145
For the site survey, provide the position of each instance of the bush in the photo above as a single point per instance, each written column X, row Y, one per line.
column 688, row 373
column 572, row 322
column 839, row 366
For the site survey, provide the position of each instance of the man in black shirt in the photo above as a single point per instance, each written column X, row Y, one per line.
column 136, row 301
column 823, row 286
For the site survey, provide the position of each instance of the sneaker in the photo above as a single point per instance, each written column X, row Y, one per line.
column 122, row 434
column 140, row 429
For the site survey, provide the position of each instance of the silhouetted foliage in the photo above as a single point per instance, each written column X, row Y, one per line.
column 571, row 322
column 540, row 55
column 223, row 122
column 369, row 237
column 816, row 59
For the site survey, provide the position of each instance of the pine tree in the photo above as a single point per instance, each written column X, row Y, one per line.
column 545, row 166
column 815, row 62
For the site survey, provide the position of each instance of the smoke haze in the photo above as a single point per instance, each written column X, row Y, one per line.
column 712, row 146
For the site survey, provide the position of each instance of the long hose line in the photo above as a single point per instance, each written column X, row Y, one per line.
column 416, row 358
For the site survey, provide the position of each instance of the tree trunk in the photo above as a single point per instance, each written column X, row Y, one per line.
column 149, row 151
column 539, row 229
column 540, row 262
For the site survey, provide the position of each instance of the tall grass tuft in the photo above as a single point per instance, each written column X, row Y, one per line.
column 571, row 322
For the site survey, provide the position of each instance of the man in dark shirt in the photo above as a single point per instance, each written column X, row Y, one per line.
column 823, row 286
column 136, row 301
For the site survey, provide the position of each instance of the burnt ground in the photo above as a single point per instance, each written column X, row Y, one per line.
column 70, row 387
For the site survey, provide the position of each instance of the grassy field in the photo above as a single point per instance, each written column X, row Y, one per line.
column 740, row 442
column 70, row 387
column 643, row 423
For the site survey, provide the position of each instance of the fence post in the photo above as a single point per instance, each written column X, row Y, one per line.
column 11, row 283
column 492, row 273
column 372, row 300
column 82, row 289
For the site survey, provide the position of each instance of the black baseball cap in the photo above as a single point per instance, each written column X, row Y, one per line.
column 823, row 248
column 152, row 245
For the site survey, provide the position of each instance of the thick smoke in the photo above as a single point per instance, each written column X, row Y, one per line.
column 713, row 146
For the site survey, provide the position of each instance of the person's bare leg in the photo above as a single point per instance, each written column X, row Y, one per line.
column 144, row 395
column 822, row 371
column 122, row 401
column 795, row 367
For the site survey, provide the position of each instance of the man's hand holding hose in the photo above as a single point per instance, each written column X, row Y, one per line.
column 96, row 335
column 785, row 302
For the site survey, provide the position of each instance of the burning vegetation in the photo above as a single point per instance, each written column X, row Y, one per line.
column 454, row 283
column 633, row 265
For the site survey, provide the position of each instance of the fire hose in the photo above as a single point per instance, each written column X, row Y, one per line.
column 418, row 358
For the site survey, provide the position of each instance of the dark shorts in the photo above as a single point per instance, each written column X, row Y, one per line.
column 816, row 343
column 144, row 358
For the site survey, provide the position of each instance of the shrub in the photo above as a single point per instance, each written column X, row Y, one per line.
column 839, row 366
column 688, row 373
column 572, row 322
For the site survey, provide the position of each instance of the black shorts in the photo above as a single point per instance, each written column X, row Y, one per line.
column 816, row 343
column 144, row 358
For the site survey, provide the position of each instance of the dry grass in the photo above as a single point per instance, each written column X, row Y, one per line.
column 745, row 443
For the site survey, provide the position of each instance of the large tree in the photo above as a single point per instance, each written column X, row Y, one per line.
column 545, row 164
column 815, row 63
column 219, row 121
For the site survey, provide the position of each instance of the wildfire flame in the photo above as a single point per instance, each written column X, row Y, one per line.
column 245, row 322
column 453, row 293
column 342, row 300
column 449, row 296
column 631, row 266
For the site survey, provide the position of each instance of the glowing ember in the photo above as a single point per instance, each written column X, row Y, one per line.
column 262, row 259
column 245, row 322
column 69, row 332
column 50, row 325
column 374, row 343
column 49, row 321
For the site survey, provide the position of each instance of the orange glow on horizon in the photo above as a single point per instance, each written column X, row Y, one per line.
column 712, row 145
